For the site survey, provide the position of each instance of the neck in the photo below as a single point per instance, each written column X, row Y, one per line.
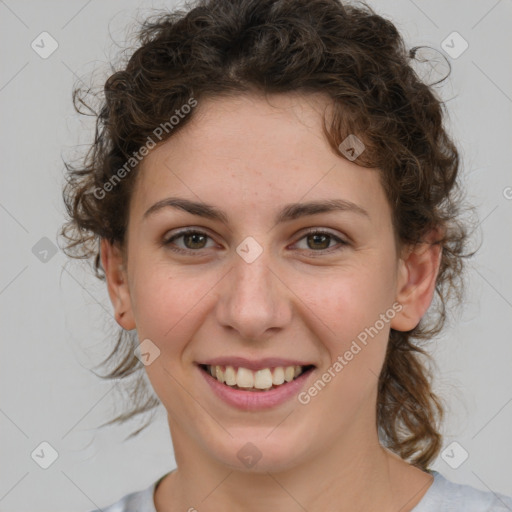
column 356, row 473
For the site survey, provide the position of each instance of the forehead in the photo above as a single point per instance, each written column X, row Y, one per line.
column 252, row 151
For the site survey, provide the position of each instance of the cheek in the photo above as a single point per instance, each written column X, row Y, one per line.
column 354, row 331
column 347, row 301
column 165, row 302
column 351, row 311
column 167, row 307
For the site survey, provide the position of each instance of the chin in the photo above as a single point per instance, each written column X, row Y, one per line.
column 260, row 453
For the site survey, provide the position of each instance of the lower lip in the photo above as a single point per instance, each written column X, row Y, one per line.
column 256, row 400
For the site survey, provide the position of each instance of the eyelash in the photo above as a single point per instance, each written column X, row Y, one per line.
column 180, row 234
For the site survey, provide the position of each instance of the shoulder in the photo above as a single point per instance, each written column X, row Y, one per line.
column 139, row 501
column 444, row 495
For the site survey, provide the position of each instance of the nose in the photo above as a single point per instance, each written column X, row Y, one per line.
column 254, row 300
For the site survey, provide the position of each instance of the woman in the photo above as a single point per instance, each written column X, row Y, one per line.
column 273, row 201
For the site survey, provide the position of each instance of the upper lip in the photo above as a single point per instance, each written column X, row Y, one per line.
column 254, row 364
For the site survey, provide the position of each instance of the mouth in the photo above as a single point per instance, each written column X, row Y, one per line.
column 261, row 380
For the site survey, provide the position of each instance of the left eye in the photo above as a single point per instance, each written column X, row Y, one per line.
column 194, row 240
column 321, row 239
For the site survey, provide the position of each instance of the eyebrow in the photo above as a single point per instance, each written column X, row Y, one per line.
column 289, row 212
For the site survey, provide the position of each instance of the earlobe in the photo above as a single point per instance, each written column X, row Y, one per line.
column 417, row 276
column 117, row 284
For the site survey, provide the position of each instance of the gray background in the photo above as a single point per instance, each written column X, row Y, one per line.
column 56, row 320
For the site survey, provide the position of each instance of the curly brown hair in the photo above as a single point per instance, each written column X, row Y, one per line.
column 359, row 60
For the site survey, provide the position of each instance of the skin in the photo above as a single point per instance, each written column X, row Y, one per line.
column 301, row 298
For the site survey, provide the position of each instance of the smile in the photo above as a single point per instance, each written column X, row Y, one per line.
column 255, row 385
column 264, row 379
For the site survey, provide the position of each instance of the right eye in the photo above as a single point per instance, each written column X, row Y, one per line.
column 193, row 240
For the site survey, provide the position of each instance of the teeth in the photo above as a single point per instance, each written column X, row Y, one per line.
column 289, row 372
column 260, row 379
column 244, row 378
column 278, row 377
column 230, row 376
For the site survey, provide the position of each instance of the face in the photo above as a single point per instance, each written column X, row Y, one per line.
column 264, row 284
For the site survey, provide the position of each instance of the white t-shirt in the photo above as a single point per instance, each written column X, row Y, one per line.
column 441, row 496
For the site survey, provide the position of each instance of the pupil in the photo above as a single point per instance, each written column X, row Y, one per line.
column 194, row 236
column 324, row 237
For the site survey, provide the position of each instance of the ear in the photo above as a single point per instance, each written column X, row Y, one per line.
column 117, row 284
column 417, row 275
